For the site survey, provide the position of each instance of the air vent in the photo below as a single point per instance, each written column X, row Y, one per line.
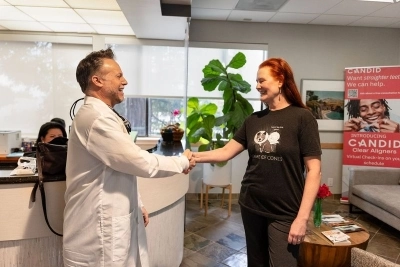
column 260, row 5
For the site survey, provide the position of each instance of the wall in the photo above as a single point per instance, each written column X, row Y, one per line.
column 314, row 52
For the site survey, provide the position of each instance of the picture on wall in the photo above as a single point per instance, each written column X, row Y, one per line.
column 325, row 99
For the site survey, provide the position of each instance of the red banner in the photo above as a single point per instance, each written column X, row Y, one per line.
column 371, row 149
column 372, row 117
column 373, row 82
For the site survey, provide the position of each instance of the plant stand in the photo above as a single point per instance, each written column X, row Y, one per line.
column 208, row 187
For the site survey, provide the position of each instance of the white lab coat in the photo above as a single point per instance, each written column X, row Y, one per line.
column 103, row 223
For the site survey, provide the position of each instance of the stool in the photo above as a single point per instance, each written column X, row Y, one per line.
column 208, row 187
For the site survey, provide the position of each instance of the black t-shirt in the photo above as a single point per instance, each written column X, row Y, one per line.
column 277, row 141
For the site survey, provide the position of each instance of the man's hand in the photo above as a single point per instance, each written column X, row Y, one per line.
column 145, row 217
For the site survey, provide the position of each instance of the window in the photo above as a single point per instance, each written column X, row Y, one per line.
column 156, row 79
column 149, row 115
column 37, row 83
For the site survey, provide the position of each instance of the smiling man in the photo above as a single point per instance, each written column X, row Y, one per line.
column 369, row 115
column 103, row 223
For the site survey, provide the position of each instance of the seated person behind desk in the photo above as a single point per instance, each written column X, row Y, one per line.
column 47, row 133
column 59, row 120
column 51, row 130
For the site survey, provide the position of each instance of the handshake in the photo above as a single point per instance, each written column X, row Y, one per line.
column 192, row 163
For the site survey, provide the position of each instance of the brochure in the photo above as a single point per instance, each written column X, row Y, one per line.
column 348, row 228
column 336, row 236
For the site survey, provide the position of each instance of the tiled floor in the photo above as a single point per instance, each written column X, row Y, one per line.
column 218, row 240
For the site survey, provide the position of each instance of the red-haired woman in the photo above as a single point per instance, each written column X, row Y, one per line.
column 283, row 144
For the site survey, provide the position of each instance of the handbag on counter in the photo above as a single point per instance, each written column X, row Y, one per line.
column 51, row 159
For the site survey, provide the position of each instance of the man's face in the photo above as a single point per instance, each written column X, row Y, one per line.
column 113, row 82
column 371, row 110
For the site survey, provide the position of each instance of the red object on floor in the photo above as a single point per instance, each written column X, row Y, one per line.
column 344, row 200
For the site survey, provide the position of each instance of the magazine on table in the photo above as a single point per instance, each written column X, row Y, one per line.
column 348, row 228
column 336, row 236
column 332, row 218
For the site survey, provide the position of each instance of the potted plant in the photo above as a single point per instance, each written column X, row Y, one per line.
column 202, row 121
column 172, row 131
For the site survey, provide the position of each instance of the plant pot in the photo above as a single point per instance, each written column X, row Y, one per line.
column 168, row 137
column 218, row 176
column 177, row 136
column 174, row 131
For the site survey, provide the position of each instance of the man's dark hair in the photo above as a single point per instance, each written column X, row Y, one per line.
column 58, row 120
column 89, row 65
column 353, row 108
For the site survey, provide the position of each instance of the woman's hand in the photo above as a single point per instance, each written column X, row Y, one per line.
column 297, row 231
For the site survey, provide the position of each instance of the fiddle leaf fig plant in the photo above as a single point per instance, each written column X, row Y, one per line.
column 202, row 121
column 236, row 108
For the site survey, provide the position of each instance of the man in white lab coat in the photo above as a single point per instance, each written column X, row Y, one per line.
column 103, row 223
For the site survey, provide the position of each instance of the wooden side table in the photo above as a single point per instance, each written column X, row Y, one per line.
column 316, row 250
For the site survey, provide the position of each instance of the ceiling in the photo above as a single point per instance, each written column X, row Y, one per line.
column 167, row 19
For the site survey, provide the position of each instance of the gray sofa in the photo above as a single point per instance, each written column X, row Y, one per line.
column 377, row 192
column 362, row 258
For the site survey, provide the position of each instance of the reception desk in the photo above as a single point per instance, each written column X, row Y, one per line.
column 25, row 239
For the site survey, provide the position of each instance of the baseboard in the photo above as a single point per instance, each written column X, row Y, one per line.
column 196, row 196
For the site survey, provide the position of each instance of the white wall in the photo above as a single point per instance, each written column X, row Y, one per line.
column 314, row 52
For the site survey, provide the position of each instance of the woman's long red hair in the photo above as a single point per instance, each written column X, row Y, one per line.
column 281, row 71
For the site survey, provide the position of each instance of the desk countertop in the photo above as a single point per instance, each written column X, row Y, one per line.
column 6, row 178
column 162, row 148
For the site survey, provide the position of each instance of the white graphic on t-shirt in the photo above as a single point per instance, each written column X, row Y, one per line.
column 273, row 140
column 266, row 142
column 260, row 139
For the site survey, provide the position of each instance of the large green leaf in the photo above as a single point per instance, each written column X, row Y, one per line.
column 210, row 83
column 245, row 87
column 238, row 115
column 193, row 103
column 223, row 85
column 237, row 61
column 247, row 107
column 221, row 164
column 229, row 100
column 204, row 147
column 214, row 67
column 238, row 84
column 196, row 134
column 208, row 124
column 235, row 77
column 221, row 120
column 209, row 109
column 192, row 120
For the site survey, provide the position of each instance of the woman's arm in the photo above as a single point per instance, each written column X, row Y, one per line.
column 230, row 150
column 313, row 181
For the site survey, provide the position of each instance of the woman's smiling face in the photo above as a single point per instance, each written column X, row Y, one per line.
column 371, row 110
column 267, row 85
